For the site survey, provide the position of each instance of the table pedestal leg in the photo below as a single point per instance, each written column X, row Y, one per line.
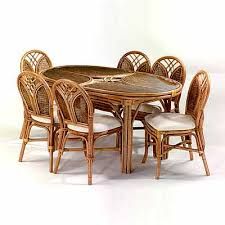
column 127, row 138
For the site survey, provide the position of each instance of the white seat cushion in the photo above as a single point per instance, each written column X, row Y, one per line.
column 147, row 108
column 101, row 123
column 47, row 120
column 170, row 121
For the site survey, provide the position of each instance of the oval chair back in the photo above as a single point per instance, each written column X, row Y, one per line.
column 74, row 104
column 171, row 67
column 135, row 61
column 36, row 95
column 35, row 61
column 197, row 97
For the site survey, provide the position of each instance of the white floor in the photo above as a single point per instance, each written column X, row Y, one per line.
column 29, row 194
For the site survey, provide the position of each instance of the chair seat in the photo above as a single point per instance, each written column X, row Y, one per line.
column 147, row 108
column 170, row 121
column 45, row 119
column 144, row 110
column 101, row 123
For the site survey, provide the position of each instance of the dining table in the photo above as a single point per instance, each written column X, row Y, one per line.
column 118, row 87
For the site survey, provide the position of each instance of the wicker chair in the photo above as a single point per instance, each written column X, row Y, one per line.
column 135, row 61
column 38, row 105
column 79, row 120
column 35, row 61
column 172, row 67
column 163, row 125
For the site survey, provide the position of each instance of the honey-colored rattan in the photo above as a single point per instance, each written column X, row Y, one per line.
column 197, row 97
column 34, row 61
column 76, row 108
column 172, row 67
column 38, row 102
column 122, row 93
column 135, row 61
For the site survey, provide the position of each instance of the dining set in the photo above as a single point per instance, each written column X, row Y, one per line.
column 83, row 103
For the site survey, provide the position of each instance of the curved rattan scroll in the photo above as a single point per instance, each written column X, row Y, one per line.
column 35, row 61
column 171, row 67
column 135, row 61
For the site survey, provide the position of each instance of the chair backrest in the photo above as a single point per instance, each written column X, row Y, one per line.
column 35, row 61
column 74, row 103
column 197, row 96
column 135, row 61
column 171, row 67
column 36, row 94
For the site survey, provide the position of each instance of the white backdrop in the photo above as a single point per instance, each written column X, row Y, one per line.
column 99, row 32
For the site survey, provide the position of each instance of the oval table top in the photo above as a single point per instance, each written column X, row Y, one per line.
column 91, row 71
column 117, row 82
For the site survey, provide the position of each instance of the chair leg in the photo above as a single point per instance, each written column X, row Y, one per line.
column 51, row 147
column 146, row 147
column 26, row 135
column 85, row 148
column 190, row 146
column 202, row 153
column 165, row 156
column 90, row 168
column 60, row 152
column 90, row 158
column 158, row 154
column 23, row 128
column 119, row 141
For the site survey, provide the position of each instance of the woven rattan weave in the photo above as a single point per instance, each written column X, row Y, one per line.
column 171, row 67
column 135, row 61
column 35, row 61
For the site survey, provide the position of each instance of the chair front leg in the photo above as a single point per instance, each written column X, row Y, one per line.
column 51, row 147
column 26, row 135
column 190, row 146
column 158, row 155
column 90, row 159
column 147, row 140
column 200, row 145
column 61, row 146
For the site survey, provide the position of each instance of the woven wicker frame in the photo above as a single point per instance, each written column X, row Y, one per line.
column 76, row 108
column 135, row 61
column 37, row 101
column 172, row 67
column 35, row 61
column 197, row 97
